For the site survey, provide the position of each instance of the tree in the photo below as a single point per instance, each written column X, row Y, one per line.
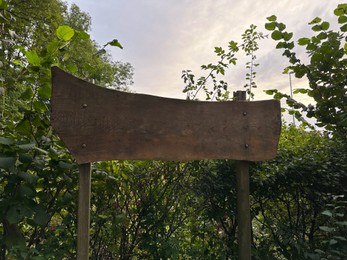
column 37, row 175
column 325, row 71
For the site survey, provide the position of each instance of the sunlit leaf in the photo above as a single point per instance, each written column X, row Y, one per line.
column 115, row 43
column 65, row 32
column 33, row 58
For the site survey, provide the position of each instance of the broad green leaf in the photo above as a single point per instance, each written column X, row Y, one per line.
column 272, row 18
column 341, row 223
column 281, row 26
column 30, row 178
column 303, row 41
column 341, row 10
column 270, row 26
column 25, row 158
column 316, row 28
column 41, row 217
column 6, row 141
column 72, row 68
column 342, row 19
column 26, row 147
column 33, row 58
column 7, row 162
column 27, row 94
column 40, row 106
column 3, row 5
column 325, row 26
column 53, row 47
column 287, row 36
column 344, row 28
column 115, row 43
column 82, row 35
column 315, row 20
column 276, row 35
column 45, row 90
column 23, row 127
column 65, row 33
column 14, row 215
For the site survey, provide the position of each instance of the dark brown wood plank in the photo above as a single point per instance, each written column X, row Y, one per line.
column 99, row 124
column 84, row 191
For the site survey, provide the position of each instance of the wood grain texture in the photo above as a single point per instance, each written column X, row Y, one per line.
column 99, row 124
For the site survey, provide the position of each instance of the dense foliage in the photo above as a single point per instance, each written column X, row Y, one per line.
column 153, row 209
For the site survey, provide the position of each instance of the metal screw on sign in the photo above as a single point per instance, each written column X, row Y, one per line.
column 160, row 129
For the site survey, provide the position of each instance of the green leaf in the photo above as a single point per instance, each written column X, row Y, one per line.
column 287, row 36
column 342, row 19
column 25, row 158
column 325, row 26
column 53, row 47
column 30, row 178
column 315, row 20
column 272, row 18
column 3, row 5
column 72, row 68
column 27, row 94
column 341, row 10
column 332, row 242
column 271, row 91
column 327, row 213
column 326, row 229
column 33, row 58
column 26, row 147
column 82, row 35
column 40, row 106
column 115, row 43
column 270, row 26
column 45, row 90
column 41, row 217
column 6, row 141
column 65, row 33
column 281, row 26
column 276, row 35
column 344, row 28
column 7, row 163
column 300, row 90
column 316, row 28
column 341, row 223
column 13, row 215
column 23, row 127
column 303, row 41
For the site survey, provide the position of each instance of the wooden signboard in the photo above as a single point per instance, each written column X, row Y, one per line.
column 98, row 124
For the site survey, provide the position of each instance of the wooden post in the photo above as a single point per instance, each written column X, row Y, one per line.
column 83, row 211
column 243, row 207
column 243, row 210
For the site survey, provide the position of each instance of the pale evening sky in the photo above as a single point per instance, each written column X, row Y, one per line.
column 163, row 37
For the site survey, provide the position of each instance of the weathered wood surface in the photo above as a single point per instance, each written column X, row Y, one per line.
column 84, row 191
column 99, row 124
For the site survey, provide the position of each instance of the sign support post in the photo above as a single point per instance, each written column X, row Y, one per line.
column 243, row 207
column 83, row 221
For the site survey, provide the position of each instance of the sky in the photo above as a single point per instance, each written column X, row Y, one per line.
column 163, row 37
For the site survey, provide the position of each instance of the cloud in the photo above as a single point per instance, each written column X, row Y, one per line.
column 161, row 38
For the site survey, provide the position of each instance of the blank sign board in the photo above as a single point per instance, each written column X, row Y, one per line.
column 98, row 124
